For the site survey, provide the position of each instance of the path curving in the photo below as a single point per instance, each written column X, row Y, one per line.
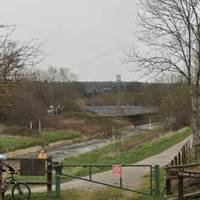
column 133, row 177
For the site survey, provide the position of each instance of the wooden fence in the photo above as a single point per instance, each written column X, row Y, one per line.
column 184, row 156
column 184, row 177
column 181, row 175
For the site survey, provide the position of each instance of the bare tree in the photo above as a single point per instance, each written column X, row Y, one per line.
column 16, row 57
column 58, row 77
column 171, row 31
column 52, row 74
column 61, row 74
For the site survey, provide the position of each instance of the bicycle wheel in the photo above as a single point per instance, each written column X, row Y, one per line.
column 21, row 191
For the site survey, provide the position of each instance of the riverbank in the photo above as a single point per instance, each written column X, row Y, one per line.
column 129, row 150
column 10, row 143
column 132, row 149
column 58, row 128
column 77, row 141
column 164, row 144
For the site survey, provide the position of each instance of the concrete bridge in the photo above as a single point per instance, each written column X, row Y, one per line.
column 122, row 111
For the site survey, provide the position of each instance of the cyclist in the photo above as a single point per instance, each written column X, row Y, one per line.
column 19, row 190
column 6, row 170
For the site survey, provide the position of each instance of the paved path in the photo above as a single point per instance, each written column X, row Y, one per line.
column 132, row 176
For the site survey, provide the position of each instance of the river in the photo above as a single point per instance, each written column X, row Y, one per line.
column 61, row 152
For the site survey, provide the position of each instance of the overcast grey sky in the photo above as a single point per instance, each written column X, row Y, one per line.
column 76, row 31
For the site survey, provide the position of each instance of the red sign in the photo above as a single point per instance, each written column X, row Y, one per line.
column 117, row 170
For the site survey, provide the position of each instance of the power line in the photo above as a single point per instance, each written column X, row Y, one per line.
column 98, row 56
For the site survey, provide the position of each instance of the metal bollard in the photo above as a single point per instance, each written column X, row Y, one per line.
column 49, row 176
column 58, row 173
column 157, row 181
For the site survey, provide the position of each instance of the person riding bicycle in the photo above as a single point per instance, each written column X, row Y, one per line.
column 6, row 171
column 19, row 190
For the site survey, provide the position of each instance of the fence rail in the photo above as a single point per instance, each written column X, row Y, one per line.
column 179, row 171
column 183, row 157
column 153, row 170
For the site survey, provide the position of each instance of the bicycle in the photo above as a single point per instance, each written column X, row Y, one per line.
column 19, row 190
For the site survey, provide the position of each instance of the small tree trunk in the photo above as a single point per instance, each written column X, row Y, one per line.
column 31, row 125
column 39, row 127
column 195, row 122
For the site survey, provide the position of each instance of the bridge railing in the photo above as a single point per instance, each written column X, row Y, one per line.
column 122, row 110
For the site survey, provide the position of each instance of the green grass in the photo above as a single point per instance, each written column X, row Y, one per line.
column 11, row 143
column 122, row 145
column 146, row 187
column 104, row 194
column 112, row 152
column 53, row 136
column 127, row 151
column 122, row 155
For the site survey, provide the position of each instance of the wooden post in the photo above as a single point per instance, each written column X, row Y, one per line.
column 168, row 186
column 180, row 188
column 187, row 153
column 31, row 125
column 168, row 183
column 172, row 163
column 175, row 161
column 39, row 127
column 179, row 158
column 49, row 176
column 150, row 125
column 184, row 155
column 113, row 138
column 189, row 145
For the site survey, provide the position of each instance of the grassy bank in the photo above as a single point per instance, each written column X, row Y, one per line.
column 123, row 153
column 14, row 137
column 11, row 143
column 130, row 150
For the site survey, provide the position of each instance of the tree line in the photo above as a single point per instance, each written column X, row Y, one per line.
column 26, row 92
column 169, row 31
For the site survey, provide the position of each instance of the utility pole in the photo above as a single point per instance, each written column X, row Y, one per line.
column 118, row 78
column 118, row 103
